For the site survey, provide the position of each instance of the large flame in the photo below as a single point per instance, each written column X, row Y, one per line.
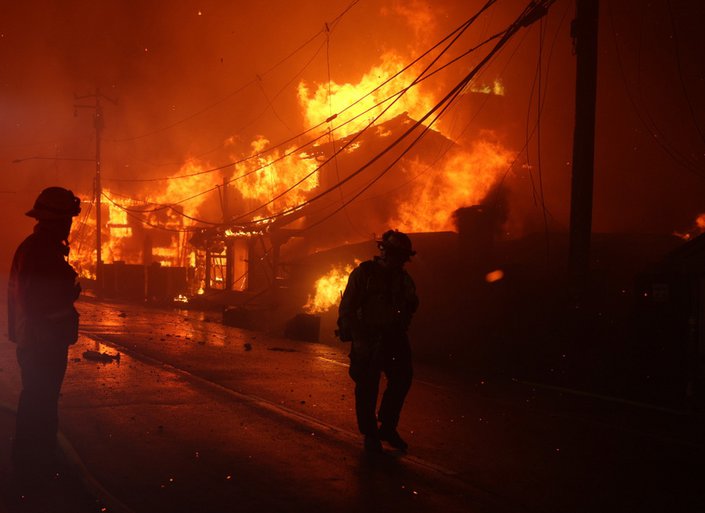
column 329, row 289
column 266, row 176
column 182, row 188
column 318, row 105
column 130, row 222
column 169, row 211
column 431, row 194
column 463, row 179
column 124, row 236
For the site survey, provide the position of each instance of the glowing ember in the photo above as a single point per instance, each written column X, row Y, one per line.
column 329, row 289
column 698, row 228
column 494, row 276
column 700, row 222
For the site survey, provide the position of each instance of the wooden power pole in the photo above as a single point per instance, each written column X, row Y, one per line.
column 97, row 188
column 584, row 31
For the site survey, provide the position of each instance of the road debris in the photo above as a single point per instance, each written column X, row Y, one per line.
column 101, row 357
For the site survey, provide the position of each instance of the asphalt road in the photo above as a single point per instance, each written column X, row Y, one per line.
column 200, row 417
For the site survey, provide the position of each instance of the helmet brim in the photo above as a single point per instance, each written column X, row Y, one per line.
column 45, row 215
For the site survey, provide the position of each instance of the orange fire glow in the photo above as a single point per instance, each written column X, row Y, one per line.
column 319, row 106
column 120, row 240
column 267, row 176
column 494, row 276
column 496, row 88
column 329, row 289
column 464, row 179
column 698, row 228
column 431, row 193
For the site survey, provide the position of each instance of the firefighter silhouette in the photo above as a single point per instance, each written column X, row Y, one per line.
column 374, row 315
column 43, row 322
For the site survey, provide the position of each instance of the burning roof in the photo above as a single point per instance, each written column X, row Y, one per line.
column 360, row 189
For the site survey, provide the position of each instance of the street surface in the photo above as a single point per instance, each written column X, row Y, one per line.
column 201, row 417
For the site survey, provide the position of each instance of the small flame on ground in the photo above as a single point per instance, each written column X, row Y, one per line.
column 329, row 289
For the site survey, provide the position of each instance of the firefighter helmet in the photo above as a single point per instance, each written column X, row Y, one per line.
column 394, row 240
column 55, row 203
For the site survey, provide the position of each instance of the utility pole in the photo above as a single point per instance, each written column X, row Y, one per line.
column 97, row 188
column 229, row 249
column 584, row 31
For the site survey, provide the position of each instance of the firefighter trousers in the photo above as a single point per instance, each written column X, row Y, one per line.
column 367, row 363
column 42, row 369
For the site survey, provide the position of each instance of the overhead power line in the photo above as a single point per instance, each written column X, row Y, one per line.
column 533, row 12
column 642, row 113
column 244, row 86
column 394, row 97
column 335, row 116
column 133, row 215
column 679, row 67
column 350, row 141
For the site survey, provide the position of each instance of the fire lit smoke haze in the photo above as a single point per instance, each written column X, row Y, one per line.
column 199, row 85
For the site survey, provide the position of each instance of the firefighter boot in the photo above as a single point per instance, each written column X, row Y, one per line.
column 392, row 438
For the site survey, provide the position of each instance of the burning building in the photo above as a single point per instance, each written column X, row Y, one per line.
column 140, row 260
column 241, row 232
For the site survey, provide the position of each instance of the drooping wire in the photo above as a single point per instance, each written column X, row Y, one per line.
column 679, row 67
column 395, row 97
column 350, row 141
column 239, row 89
column 534, row 128
column 442, row 105
column 415, row 61
column 152, row 225
column 331, row 135
column 286, row 211
column 446, row 102
column 539, row 98
column 644, row 117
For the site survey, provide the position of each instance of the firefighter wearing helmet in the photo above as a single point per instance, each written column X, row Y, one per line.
column 43, row 322
column 374, row 314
